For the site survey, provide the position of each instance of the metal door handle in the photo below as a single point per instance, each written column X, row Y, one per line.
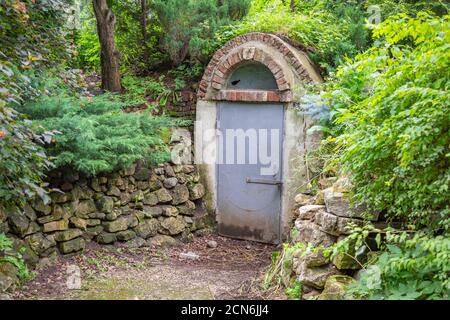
column 263, row 181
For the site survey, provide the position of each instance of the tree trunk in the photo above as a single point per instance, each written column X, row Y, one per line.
column 109, row 57
column 144, row 10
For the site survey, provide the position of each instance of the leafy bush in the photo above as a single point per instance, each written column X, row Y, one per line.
column 409, row 266
column 328, row 32
column 392, row 112
column 96, row 136
column 7, row 254
column 188, row 26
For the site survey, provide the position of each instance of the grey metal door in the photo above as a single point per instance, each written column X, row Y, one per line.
column 249, row 184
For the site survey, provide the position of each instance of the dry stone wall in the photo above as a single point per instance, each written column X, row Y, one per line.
column 141, row 206
column 323, row 220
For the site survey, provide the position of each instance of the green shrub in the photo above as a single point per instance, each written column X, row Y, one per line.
column 391, row 106
column 188, row 26
column 7, row 254
column 407, row 267
column 96, row 136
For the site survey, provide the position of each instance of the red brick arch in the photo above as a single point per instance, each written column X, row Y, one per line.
column 234, row 53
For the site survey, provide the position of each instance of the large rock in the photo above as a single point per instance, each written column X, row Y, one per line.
column 92, row 232
column 308, row 212
column 173, row 225
column 163, row 195
column 310, row 233
column 147, row 229
column 125, row 235
column 180, row 194
column 58, row 213
column 137, row 196
column 170, row 211
column 106, row 238
column 187, row 209
column 338, row 204
column 84, row 207
column 19, row 223
column 142, row 174
column 41, row 207
column 120, row 224
column 67, row 235
column 29, row 212
column 313, row 276
column 105, row 204
column 169, row 183
column 152, row 212
column 196, row 192
column 58, row 197
column 82, row 193
column 56, row 226
column 336, row 225
column 74, row 245
column 40, row 243
column 78, row 223
column 161, row 241
column 150, row 199
column 28, row 255
column 6, row 283
column 335, row 287
column 303, row 199
column 154, row 183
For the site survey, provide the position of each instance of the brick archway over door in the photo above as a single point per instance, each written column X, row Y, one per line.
column 288, row 66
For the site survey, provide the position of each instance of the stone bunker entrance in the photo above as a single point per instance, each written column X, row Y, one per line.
column 250, row 134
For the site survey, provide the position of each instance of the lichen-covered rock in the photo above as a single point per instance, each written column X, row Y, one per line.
column 93, row 222
column 308, row 212
column 67, row 235
column 169, row 170
column 97, row 215
column 196, row 192
column 58, row 213
column 303, row 199
column 125, row 235
column 105, row 204
column 142, row 174
column 40, row 243
column 170, row 211
column 173, row 225
column 180, row 194
column 19, row 223
column 310, row 233
column 150, row 199
column 335, row 225
column 6, row 283
column 315, row 259
column 154, row 183
column 92, row 232
column 120, row 224
column 136, row 243
column 163, row 195
column 187, row 209
column 152, row 212
column 338, row 204
column 28, row 211
column 106, row 238
column 28, row 255
column 70, row 246
column 78, row 223
column 55, row 226
column 161, row 241
column 314, row 276
column 147, row 229
column 58, row 197
column 84, row 207
column 124, row 198
column 41, row 208
column 169, row 183
column 137, row 196
column 335, row 287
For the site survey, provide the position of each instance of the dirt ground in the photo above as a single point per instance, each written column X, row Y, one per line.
column 231, row 270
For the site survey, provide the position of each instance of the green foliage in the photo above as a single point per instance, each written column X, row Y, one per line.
column 328, row 32
column 96, row 136
column 7, row 254
column 188, row 26
column 392, row 111
column 294, row 292
column 409, row 265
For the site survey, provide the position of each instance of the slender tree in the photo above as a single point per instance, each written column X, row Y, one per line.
column 109, row 57
column 144, row 22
